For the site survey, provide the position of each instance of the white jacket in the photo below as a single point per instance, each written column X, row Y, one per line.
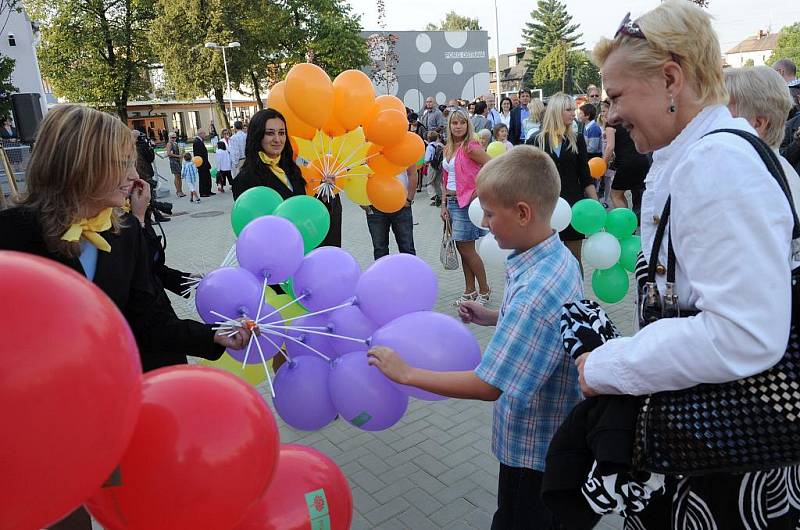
column 731, row 230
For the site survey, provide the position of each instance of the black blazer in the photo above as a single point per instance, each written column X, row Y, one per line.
column 125, row 275
column 515, row 126
column 199, row 149
column 573, row 168
column 250, row 177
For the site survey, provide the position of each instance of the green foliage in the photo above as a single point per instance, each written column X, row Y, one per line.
column 565, row 70
column 6, row 69
column 551, row 28
column 95, row 51
column 455, row 22
column 788, row 46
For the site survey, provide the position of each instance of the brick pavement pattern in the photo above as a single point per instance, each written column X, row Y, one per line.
column 434, row 469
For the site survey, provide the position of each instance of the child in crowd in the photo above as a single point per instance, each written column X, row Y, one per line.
column 434, row 153
column 484, row 137
column 524, row 369
column 190, row 175
column 593, row 135
column 224, row 166
column 501, row 135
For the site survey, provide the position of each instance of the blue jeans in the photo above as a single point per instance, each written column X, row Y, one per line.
column 400, row 222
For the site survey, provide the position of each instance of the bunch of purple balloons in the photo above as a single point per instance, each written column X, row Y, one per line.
column 326, row 373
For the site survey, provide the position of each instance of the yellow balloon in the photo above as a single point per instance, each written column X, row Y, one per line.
column 253, row 373
column 356, row 189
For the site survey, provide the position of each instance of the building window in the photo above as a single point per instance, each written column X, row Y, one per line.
column 512, row 61
column 194, row 120
column 11, row 40
column 177, row 123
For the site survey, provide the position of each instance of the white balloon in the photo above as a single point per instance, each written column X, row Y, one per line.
column 476, row 212
column 491, row 253
column 601, row 250
column 562, row 215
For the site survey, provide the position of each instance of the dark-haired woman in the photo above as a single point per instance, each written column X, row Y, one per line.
column 269, row 161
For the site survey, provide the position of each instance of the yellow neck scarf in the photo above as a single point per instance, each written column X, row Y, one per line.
column 90, row 228
column 273, row 165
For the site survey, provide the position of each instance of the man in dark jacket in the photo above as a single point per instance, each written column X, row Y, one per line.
column 790, row 147
column 516, row 129
column 199, row 149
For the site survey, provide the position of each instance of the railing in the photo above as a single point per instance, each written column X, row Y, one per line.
column 14, row 158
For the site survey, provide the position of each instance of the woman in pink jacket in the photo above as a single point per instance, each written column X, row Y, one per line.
column 463, row 158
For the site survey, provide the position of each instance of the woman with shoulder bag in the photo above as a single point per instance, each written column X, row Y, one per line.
column 719, row 258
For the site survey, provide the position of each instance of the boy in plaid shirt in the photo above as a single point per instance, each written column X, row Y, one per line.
column 190, row 174
column 524, row 369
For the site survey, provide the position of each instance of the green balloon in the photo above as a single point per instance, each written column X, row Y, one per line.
column 310, row 217
column 631, row 246
column 621, row 222
column 610, row 285
column 288, row 288
column 588, row 216
column 252, row 204
column 214, row 172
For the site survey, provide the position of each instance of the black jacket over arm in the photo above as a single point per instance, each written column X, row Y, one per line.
column 125, row 276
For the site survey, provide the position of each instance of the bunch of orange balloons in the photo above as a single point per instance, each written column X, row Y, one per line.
column 361, row 143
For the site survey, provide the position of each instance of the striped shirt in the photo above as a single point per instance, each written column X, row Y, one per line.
column 189, row 172
column 525, row 358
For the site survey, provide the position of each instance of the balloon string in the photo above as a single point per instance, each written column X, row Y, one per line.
column 339, row 152
column 281, row 309
column 277, row 348
column 229, row 257
column 226, row 320
column 273, row 332
column 347, row 161
column 266, row 370
column 323, row 311
column 261, row 298
column 322, row 156
column 247, row 351
column 313, row 332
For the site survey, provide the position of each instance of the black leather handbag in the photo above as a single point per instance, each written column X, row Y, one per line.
column 745, row 425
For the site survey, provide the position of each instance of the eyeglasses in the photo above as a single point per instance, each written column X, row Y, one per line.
column 630, row 28
column 593, row 96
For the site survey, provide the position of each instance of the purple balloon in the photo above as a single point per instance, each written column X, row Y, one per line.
column 266, row 346
column 327, row 277
column 270, row 246
column 314, row 340
column 363, row 395
column 301, row 393
column 349, row 322
column 432, row 341
column 396, row 285
column 230, row 291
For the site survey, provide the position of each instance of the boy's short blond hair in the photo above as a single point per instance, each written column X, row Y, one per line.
column 433, row 136
column 523, row 174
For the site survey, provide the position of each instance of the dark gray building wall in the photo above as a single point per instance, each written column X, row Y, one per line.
column 441, row 64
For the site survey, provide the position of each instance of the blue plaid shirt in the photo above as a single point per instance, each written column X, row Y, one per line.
column 526, row 359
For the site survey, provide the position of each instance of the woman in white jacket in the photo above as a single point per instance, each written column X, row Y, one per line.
column 731, row 228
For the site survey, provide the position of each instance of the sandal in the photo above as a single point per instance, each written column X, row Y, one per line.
column 466, row 297
column 483, row 298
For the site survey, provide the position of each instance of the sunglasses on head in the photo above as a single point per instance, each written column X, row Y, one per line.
column 631, row 29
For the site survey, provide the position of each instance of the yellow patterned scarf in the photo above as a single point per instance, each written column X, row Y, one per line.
column 273, row 165
column 90, row 229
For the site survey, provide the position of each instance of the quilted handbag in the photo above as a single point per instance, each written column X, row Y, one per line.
column 448, row 254
column 746, row 425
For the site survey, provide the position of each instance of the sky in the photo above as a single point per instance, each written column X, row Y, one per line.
column 734, row 20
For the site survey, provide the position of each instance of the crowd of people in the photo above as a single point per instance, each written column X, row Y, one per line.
column 683, row 137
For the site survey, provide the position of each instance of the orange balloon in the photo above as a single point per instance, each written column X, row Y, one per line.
column 333, row 128
column 197, row 161
column 386, row 127
column 387, row 194
column 381, row 166
column 295, row 126
column 389, row 102
column 597, row 167
column 407, row 151
column 295, row 148
column 309, row 93
column 353, row 97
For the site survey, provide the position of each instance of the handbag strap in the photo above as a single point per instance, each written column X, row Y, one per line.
column 775, row 169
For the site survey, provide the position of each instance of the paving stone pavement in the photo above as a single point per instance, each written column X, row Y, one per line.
column 434, row 469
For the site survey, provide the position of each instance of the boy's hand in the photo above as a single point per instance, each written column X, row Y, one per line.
column 580, row 362
column 392, row 365
column 475, row 313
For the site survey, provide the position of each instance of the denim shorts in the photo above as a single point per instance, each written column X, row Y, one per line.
column 463, row 229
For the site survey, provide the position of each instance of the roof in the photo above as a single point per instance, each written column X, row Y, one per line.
column 766, row 42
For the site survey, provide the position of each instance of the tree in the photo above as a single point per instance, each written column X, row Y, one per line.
column 96, row 51
column 455, row 22
column 550, row 28
column 788, row 46
column 6, row 87
column 566, row 71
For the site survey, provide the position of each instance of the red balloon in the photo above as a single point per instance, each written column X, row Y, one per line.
column 308, row 491
column 203, row 453
column 70, row 388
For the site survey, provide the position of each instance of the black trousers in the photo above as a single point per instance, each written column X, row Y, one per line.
column 223, row 176
column 519, row 501
column 204, row 181
column 334, row 236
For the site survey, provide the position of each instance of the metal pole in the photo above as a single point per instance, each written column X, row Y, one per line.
column 228, row 81
column 497, row 50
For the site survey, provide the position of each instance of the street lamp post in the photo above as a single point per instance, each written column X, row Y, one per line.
column 497, row 50
column 234, row 44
